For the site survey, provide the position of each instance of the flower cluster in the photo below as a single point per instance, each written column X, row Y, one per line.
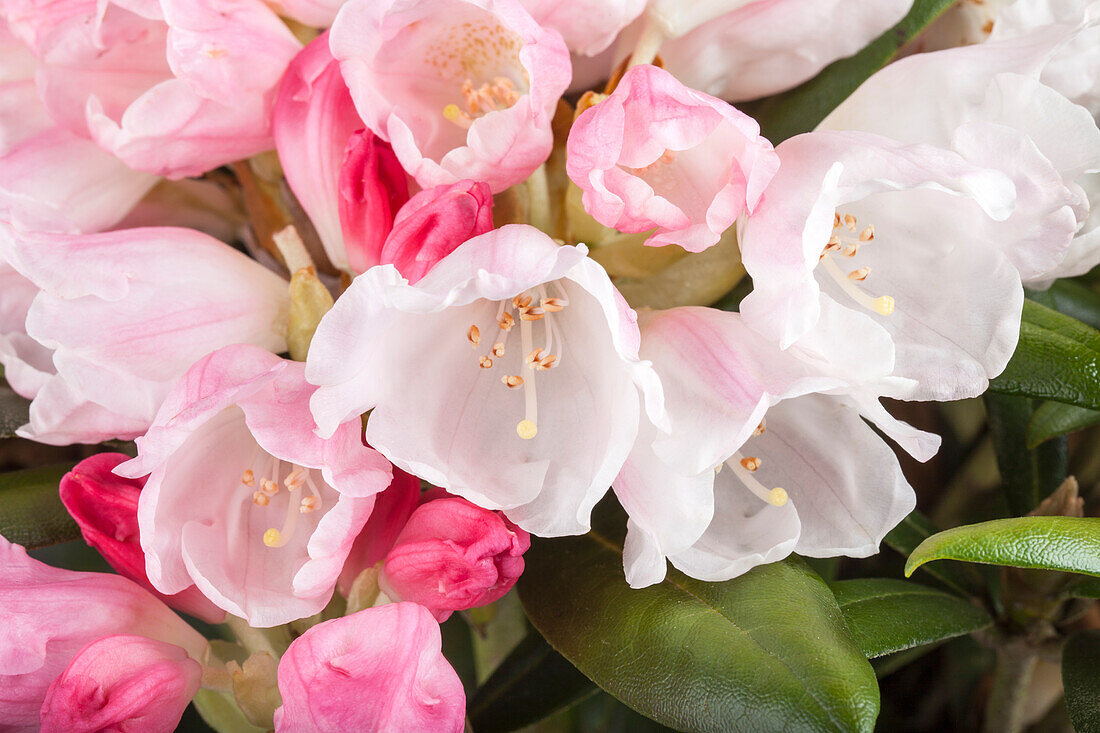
column 309, row 254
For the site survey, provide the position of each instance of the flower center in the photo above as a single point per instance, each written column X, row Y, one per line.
column 523, row 310
column 844, row 242
column 744, row 467
column 266, row 487
column 489, row 97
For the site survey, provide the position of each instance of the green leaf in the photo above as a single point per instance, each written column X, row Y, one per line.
column 801, row 109
column 1081, row 677
column 219, row 711
column 14, row 411
column 887, row 615
column 1052, row 419
column 1058, row 358
column 1070, row 544
column 766, row 651
column 1019, row 467
column 916, row 528
column 532, row 683
column 31, row 512
column 1071, row 298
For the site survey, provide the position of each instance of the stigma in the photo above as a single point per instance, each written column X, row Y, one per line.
column 845, row 242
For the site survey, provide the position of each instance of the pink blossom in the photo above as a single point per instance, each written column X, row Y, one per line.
column 138, row 307
column 123, row 683
column 433, row 223
column 588, row 26
column 656, row 154
column 372, row 188
column 453, row 555
column 51, row 614
column 27, row 363
column 175, row 87
column 459, row 88
column 392, row 509
column 280, row 507
column 105, row 507
column 378, row 669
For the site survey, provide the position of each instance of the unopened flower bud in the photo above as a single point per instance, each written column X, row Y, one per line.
column 373, row 186
column 453, row 555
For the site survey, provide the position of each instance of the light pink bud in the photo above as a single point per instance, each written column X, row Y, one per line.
column 453, row 555
column 373, row 186
column 122, row 683
column 434, row 222
column 381, row 669
column 105, row 507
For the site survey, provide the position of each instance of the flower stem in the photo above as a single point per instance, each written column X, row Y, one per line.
column 1011, row 678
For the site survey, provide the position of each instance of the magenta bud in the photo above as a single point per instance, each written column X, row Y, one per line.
column 373, row 186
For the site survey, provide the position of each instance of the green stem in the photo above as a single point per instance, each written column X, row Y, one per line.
column 1004, row 711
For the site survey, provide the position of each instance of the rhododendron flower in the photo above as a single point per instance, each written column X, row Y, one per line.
column 50, row 177
column 134, row 307
column 588, row 26
column 378, row 669
column 656, row 154
column 27, row 363
column 892, row 233
column 281, row 507
column 459, row 88
column 122, row 682
column 453, row 555
column 751, row 469
column 743, row 49
column 536, row 422
column 1000, row 115
column 392, row 509
column 50, row 614
column 175, row 87
column 105, row 507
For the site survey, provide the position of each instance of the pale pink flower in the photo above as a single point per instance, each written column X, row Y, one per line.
column 105, row 506
column 588, row 26
column 134, row 307
column 453, row 555
column 658, row 155
column 50, row 614
column 28, row 364
column 122, row 683
column 510, row 375
column 377, row 670
column 280, row 507
column 744, row 49
column 175, row 87
column 752, row 468
column 459, row 88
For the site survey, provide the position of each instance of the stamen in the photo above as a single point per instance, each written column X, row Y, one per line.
column 528, row 427
column 751, row 463
column 533, row 313
column 521, row 301
column 867, row 234
column 269, row 487
column 506, row 321
column 295, row 479
column 259, row 498
column 308, row 504
column 775, row 497
column 759, row 428
column 498, row 349
column 512, row 381
column 836, row 220
column 850, row 250
column 485, row 362
column 860, row 274
column 248, row 478
column 883, row 305
column 474, row 335
column 553, row 305
column 850, row 222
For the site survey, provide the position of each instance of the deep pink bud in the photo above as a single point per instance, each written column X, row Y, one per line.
column 105, row 507
column 453, row 555
column 434, row 222
column 391, row 511
column 373, row 186
column 122, row 683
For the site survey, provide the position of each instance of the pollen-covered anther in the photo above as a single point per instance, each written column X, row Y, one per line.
column 485, row 362
column 512, row 381
column 248, row 478
column 850, row 222
column 536, row 359
column 553, row 305
column 308, row 504
column 533, row 313
column 860, row 274
column 506, row 322
column 751, row 463
column 868, row 233
column 759, row 429
column 833, row 245
column 269, row 487
column 850, row 250
column 498, row 349
column 259, row 498
column 295, row 479
column 836, row 220
column 474, row 335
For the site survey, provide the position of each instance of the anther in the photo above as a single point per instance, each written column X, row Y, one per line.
column 867, row 234
column 485, row 362
column 295, row 479
column 521, row 301
column 751, row 463
column 533, row 313
column 259, row 498
column 474, row 335
column 860, row 274
column 506, row 322
column 307, row 505
column 512, row 381
column 836, row 220
column 850, row 250
column 850, row 222
column 553, row 305
column 759, row 429
column 498, row 349
column 269, row 487
column 248, row 478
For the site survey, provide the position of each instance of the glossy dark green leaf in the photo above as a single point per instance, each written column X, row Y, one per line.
column 1052, row 419
column 1072, row 298
column 31, row 512
column 1019, row 468
column 802, row 108
column 915, row 529
column 766, row 651
column 1081, row 677
column 1070, row 544
column 13, row 411
column 887, row 615
column 1058, row 358
column 532, row 683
